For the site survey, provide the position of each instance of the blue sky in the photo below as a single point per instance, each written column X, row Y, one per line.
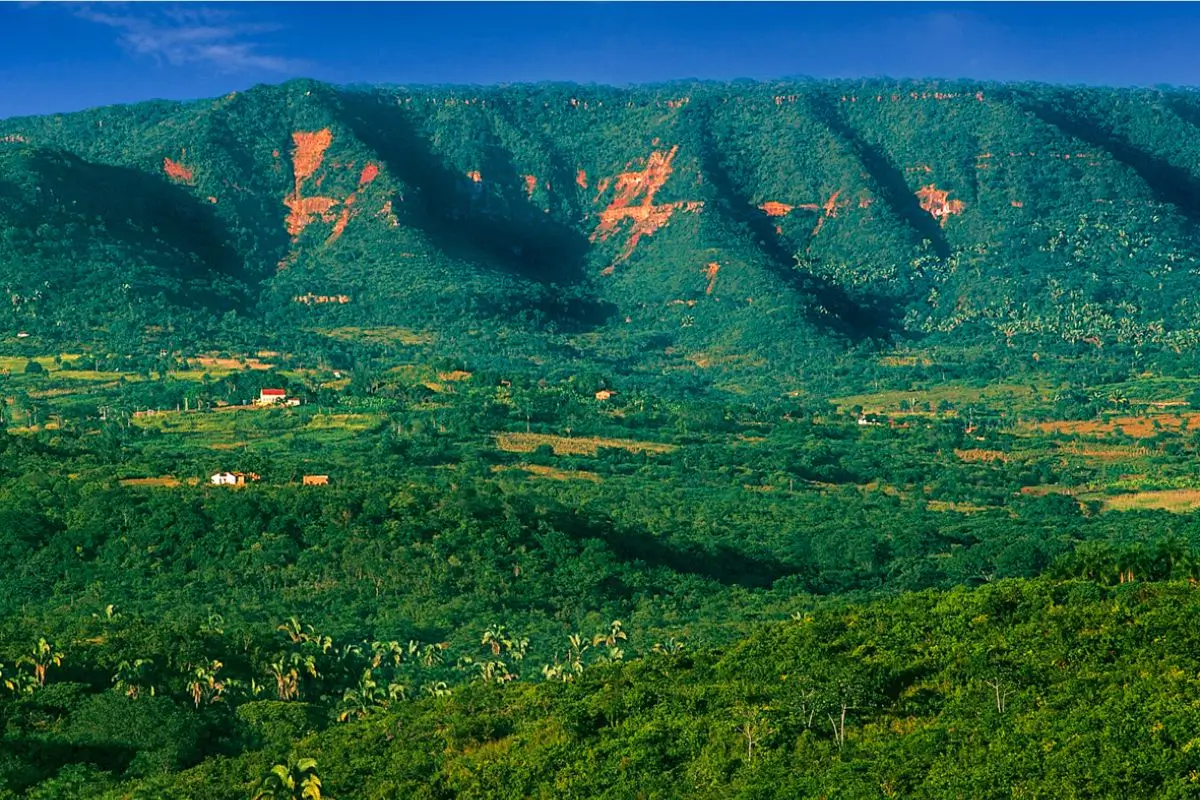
column 63, row 57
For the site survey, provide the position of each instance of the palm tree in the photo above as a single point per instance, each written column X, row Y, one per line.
column 610, row 637
column 43, row 656
column 288, row 670
column 496, row 637
column 431, row 654
column 295, row 780
column 359, row 701
column 671, row 647
column 391, row 651
column 205, row 686
column 134, row 679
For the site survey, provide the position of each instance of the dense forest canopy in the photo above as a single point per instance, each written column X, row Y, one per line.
column 720, row 226
column 790, row 439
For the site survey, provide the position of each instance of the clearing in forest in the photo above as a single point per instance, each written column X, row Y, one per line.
column 1177, row 500
column 388, row 333
column 165, row 481
column 1136, row 427
column 574, row 445
column 554, row 474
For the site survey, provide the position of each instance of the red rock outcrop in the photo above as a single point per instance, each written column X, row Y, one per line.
column 178, row 172
column 633, row 200
column 369, row 173
column 710, row 275
column 307, row 154
column 829, row 210
column 937, row 203
column 774, row 209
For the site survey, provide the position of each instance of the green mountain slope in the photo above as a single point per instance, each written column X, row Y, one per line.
column 699, row 227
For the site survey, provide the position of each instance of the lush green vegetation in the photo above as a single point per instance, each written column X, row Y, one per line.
column 883, row 497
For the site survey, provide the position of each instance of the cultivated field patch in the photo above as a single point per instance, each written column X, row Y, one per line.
column 574, row 445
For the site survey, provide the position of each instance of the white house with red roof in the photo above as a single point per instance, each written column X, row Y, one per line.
column 269, row 397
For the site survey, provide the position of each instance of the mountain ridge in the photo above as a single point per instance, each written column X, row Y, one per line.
column 722, row 225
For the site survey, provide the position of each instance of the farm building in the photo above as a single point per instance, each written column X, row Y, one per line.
column 269, row 397
column 233, row 478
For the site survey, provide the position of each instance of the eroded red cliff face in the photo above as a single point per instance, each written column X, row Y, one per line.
column 369, row 173
column 633, row 201
column 308, row 157
column 710, row 275
column 308, row 152
column 178, row 172
column 937, row 202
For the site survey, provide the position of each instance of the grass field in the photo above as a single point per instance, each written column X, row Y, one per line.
column 393, row 334
column 1108, row 452
column 957, row 394
column 1177, row 500
column 981, row 455
column 550, row 473
column 956, row 508
column 166, row 481
column 574, row 446
column 1138, row 427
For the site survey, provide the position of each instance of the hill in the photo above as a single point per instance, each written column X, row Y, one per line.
column 702, row 228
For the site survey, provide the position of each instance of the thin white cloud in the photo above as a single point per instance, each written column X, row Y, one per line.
column 189, row 36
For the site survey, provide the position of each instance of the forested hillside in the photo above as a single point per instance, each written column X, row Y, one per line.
column 787, row 440
column 705, row 228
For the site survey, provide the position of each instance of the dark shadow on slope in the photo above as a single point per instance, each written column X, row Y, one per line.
column 179, row 235
column 269, row 241
column 1168, row 183
column 851, row 317
column 453, row 210
column 1185, row 111
column 712, row 562
column 890, row 182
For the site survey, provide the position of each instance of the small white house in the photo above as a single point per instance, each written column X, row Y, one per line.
column 268, row 397
column 224, row 479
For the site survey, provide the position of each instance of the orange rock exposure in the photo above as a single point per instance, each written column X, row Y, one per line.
column 829, row 209
column 774, row 209
column 387, row 213
column 304, row 209
column 177, row 172
column 308, row 153
column 710, row 275
column 343, row 220
column 938, row 203
column 530, row 184
column 581, row 179
column 369, row 173
column 475, row 176
column 634, row 200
